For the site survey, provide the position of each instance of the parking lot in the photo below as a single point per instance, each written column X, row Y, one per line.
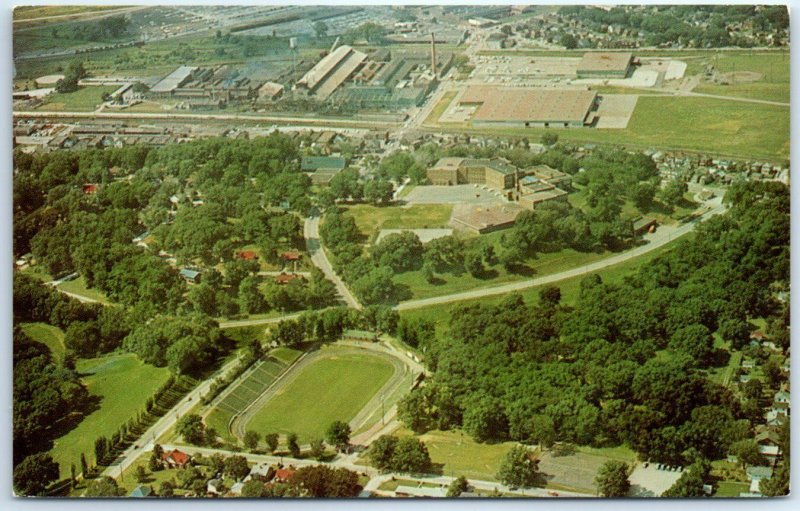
column 651, row 481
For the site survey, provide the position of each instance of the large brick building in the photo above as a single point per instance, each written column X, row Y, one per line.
column 495, row 173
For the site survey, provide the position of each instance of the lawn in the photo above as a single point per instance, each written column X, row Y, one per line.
column 461, row 455
column 541, row 264
column 706, row 125
column 50, row 335
column 772, row 86
column 123, row 383
column 85, row 99
column 440, row 314
column 328, row 389
column 78, row 286
column 731, row 489
column 440, row 107
column 371, row 219
column 285, row 355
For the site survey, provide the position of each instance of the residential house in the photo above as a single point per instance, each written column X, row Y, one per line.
column 215, row 487
column 283, row 475
column 285, row 278
column 190, row 276
column 756, row 474
column 141, row 491
column 176, row 458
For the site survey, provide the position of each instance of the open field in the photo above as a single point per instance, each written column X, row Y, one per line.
column 773, row 68
column 440, row 314
column 731, row 489
column 331, row 388
column 85, row 99
column 51, row 336
column 123, row 383
column 42, row 11
column 708, row 125
column 371, row 219
column 78, row 286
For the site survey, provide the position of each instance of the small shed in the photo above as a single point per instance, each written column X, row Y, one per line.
column 190, row 275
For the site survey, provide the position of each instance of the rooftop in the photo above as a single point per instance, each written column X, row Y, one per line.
column 557, row 105
column 173, row 80
column 599, row 61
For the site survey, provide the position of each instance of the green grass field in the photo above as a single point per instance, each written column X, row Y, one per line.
column 285, row 355
column 50, row 335
column 461, row 455
column 78, row 286
column 708, row 125
column 731, row 489
column 371, row 219
column 85, row 99
column 329, row 389
column 772, row 86
column 123, row 382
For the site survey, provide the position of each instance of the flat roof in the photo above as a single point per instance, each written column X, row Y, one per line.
column 346, row 67
column 605, row 61
column 448, row 163
column 476, row 94
column 565, row 105
column 173, row 80
column 543, row 195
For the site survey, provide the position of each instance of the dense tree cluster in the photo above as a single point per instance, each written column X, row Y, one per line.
column 327, row 325
column 627, row 363
column 406, row 454
column 695, row 26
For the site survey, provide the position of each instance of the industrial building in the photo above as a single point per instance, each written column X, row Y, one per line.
column 203, row 86
column 177, row 78
column 605, row 65
column 331, row 72
column 548, row 108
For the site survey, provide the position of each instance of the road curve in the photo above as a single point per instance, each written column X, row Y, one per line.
column 320, row 260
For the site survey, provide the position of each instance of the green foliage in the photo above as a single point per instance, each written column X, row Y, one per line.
column 338, row 434
column 271, row 439
column 236, row 467
column 612, row 479
column 317, row 449
column 519, row 468
column 34, row 474
column 251, row 439
column 322, row 481
column 401, row 252
column 103, row 487
column 192, row 429
column 457, row 487
column 293, row 445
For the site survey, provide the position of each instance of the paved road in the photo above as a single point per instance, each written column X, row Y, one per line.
column 376, row 478
column 663, row 236
column 320, row 260
column 145, row 442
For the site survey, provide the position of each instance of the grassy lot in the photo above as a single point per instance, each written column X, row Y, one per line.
column 41, row 11
column 329, row 389
column 371, row 219
column 774, row 68
column 619, row 453
column 123, row 383
column 665, row 215
column 85, row 99
column 731, row 489
column 440, row 107
column 440, row 314
column 78, row 286
column 707, row 125
column 49, row 335
column 541, row 264
column 461, row 455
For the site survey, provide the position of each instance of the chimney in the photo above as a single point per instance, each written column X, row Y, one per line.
column 433, row 54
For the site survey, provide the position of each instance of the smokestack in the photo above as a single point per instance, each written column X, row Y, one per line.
column 433, row 54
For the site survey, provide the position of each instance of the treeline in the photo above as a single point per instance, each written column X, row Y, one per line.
column 676, row 24
column 629, row 362
column 104, row 29
column 327, row 325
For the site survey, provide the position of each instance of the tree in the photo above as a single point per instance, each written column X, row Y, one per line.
column 410, row 455
column 694, row 340
column 317, row 449
column 381, row 452
column 254, row 488
column 35, row 474
column 549, row 138
column 473, row 263
column 192, row 429
column 643, row 195
column 673, row 190
column 251, row 439
column 271, row 439
column 519, row 468
column 689, row 484
column 321, row 29
column 737, row 331
column 294, row 447
column 428, row 272
column 338, row 434
column 324, row 481
column 141, row 474
column 778, row 484
column 84, row 467
column 612, row 479
column 568, row 41
column 251, row 299
column 458, row 486
column 103, row 487
column 167, row 489
column 746, row 451
column 236, row 467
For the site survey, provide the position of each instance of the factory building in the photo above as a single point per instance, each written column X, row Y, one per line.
column 545, row 108
column 331, row 72
column 605, row 65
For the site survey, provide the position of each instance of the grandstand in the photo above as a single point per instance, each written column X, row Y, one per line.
column 251, row 387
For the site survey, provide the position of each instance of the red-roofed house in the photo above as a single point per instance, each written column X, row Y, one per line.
column 176, row 458
column 89, row 188
column 247, row 255
column 285, row 278
column 291, row 256
column 282, row 475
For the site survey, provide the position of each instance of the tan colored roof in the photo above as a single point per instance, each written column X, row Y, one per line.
column 449, row 163
column 270, row 89
column 476, row 94
column 598, row 61
column 536, row 105
column 347, row 67
column 325, row 73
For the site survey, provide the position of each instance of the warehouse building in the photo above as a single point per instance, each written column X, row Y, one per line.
column 331, row 72
column 174, row 80
column 605, row 65
column 559, row 108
